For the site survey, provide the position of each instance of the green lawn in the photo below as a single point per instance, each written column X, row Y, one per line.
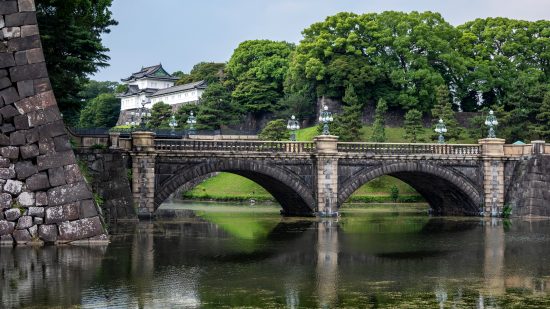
column 393, row 135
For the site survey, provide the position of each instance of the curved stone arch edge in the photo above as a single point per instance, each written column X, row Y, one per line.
column 182, row 176
column 455, row 178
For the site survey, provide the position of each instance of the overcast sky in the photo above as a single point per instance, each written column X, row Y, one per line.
column 181, row 33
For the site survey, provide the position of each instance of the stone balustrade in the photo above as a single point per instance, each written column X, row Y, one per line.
column 234, row 146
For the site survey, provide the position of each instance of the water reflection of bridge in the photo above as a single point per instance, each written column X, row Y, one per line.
column 304, row 263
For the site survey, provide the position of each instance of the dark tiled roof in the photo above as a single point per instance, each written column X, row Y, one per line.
column 196, row 85
column 156, row 71
column 134, row 89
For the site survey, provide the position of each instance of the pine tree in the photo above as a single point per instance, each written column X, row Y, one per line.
column 348, row 125
column 160, row 115
column 443, row 110
column 378, row 129
column 413, row 125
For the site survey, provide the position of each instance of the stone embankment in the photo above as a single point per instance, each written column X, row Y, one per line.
column 43, row 195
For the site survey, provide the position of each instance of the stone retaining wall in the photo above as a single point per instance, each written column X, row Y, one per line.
column 43, row 196
column 529, row 193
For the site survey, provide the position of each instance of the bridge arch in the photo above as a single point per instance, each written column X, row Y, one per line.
column 292, row 193
column 447, row 191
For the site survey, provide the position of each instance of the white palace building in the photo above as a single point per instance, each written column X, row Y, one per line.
column 152, row 85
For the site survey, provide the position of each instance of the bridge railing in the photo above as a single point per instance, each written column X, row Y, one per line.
column 234, row 146
column 409, row 149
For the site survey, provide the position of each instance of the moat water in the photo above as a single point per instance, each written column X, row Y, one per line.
column 249, row 256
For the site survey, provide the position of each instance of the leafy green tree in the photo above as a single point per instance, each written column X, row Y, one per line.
column 394, row 193
column 348, row 125
column 543, row 129
column 92, row 89
column 255, row 74
column 161, row 113
column 216, row 108
column 443, row 110
column 275, row 130
column 183, row 112
column 378, row 129
column 211, row 72
column 400, row 57
column 71, row 33
column 100, row 112
column 413, row 125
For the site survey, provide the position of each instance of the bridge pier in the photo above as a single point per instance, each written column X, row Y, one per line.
column 327, row 175
column 493, row 156
column 143, row 173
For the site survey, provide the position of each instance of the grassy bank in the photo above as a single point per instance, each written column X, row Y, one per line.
column 231, row 187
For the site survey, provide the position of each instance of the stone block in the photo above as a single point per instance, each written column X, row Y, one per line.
column 10, row 152
column 22, row 236
column 4, row 140
column 68, row 193
column 33, row 230
column 62, row 143
column 5, row 201
column 53, row 129
column 38, row 182
column 29, row 71
column 46, row 146
column 24, row 223
column 33, row 136
column 8, row 7
column 9, row 112
column 72, row 173
column 21, row 57
column 6, row 227
column 88, row 209
column 7, row 173
column 71, row 211
column 26, row 199
column 54, row 214
column 26, row 6
column 6, row 240
column 9, row 95
column 7, row 128
column 4, row 162
column 36, row 212
column 37, row 102
column 80, row 229
column 41, row 198
column 25, row 169
column 29, row 30
column 18, row 138
column 57, row 176
column 25, row 88
column 10, row 33
column 13, row 186
column 20, row 19
column 38, row 220
column 5, row 82
column 47, row 233
column 21, row 122
column 48, row 161
column 29, row 151
column 45, row 116
column 6, row 60
column 42, row 85
column 12, row 214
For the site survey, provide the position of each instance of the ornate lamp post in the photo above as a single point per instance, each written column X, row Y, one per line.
column 143, row 114
column 173, row 124
column 325, row 118
column 491, row 121
column 293, row 125
column 191, row 121
column 132, row 120
column 441, row 129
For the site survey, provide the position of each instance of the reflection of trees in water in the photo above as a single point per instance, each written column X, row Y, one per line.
column 47, row 275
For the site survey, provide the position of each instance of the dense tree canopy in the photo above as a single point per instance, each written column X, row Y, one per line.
column 71, row 37
column 100, row 112
column 210, row 72
column 256, row 72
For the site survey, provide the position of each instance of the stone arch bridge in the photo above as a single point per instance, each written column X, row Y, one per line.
column 318, row 177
